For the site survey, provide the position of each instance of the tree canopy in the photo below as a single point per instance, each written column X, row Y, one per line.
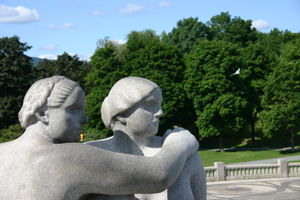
column 107, row 69
column 282, row 93
column 15, row 78
column 143, row 55
column 187, row 33
column 65, row 65
column 211, row 82
column 236, row 30
column 220, row 78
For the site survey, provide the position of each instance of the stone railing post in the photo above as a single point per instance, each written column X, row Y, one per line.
column 283, row 167
column 220, row 170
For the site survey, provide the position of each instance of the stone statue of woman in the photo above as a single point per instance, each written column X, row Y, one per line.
column 46, row 163
column 132, row 111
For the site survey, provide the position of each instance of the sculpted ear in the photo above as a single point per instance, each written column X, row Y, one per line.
column 42, row 116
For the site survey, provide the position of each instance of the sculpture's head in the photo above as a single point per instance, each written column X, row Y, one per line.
column 58, row 103
column 135, row 103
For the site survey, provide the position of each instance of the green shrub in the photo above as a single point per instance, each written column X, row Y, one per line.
column 11, row 133
column 95, row 134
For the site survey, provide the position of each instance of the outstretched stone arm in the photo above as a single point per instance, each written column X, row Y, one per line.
column 106, row 172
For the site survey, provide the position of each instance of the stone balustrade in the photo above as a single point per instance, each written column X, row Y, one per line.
column 294, row 169
column 221, row 172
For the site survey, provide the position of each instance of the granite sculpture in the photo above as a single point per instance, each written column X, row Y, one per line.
column 46, row 162
column 132, row 110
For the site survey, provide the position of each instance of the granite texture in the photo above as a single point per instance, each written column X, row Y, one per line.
column 132, row 110
column 47, row 163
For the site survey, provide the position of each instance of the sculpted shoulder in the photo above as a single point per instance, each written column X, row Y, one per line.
column 103, row 144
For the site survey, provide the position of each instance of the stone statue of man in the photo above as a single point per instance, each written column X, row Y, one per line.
column 45, row 163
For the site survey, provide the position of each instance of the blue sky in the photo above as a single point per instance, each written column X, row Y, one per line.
column 52, row 27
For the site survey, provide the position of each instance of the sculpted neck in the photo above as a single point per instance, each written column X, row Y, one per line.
column 146, row 146
column 129, row 142
column 127, row 136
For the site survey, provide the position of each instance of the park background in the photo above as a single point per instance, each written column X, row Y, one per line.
column 232, row 84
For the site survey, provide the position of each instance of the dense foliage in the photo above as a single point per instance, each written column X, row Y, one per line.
column 10, row 133
column 15, row 78
column 282, row 93
column 107, row 69
column 222, row 78
column 65, row 65
column 214, row 87
column 143, row 55
column 147, row 56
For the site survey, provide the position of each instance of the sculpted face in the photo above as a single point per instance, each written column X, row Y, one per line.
column 65, row 123
column 144, row 120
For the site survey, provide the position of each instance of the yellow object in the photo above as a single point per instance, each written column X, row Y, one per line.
column 81, row 137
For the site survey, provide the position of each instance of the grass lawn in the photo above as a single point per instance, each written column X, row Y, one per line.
column 294, row 161
column 209, row 157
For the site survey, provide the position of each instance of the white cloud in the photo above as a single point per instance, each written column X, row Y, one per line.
column 48, row 47
column 260, row 24
column 119, row 41
column 54, row 57
column 17, row 15
column 97, row 13
column 164, row 4
column 48, row 56
column 131, row 9
column 81, row 56
column 66, row 25
column 85, row 57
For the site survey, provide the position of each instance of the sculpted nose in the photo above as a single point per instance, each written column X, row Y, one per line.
column 159, row 114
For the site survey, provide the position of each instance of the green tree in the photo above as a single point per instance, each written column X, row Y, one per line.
column 212, row 84
column 236, row 30
column 143, row 55
column 186, row 34
column 66, row 65
column 282, row 94
column 44, row 69
column 256, row 66
column 107, row 69
column 147, row 56
column 273, row 43
column 15, row 78
column 260, row 57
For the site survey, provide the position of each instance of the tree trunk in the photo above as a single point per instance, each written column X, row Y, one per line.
column 221, row 142
column 292, row 141
column 252, row 128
